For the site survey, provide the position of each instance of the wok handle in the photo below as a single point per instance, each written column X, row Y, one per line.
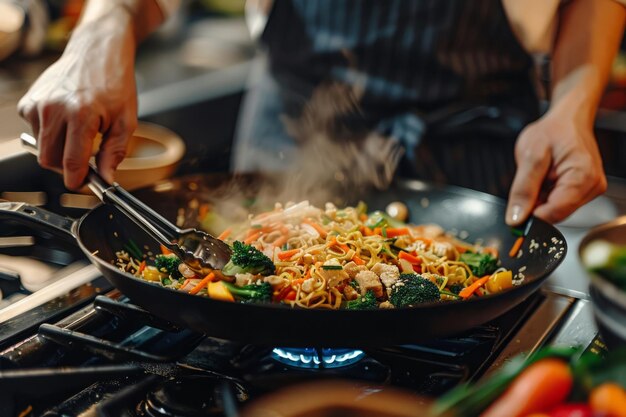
column 60, row 226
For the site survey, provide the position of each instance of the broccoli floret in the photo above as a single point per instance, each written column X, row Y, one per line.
column 169, row 265
column 413, row 289
column 364, row 302
column 252, row 293
column 248, row 259
column 481, row 264
column 456, row 288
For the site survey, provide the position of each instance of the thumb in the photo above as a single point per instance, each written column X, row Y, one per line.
column 531, row 172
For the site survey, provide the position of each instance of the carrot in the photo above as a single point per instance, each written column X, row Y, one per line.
column 334, row 242
column 251, row 238
column 225, row 233
column 287, row 254
column 366, row 231
column 296, row 282
column 377, row 231
column 608, row 399
column 280, row 241
column 516, row 247
column 282, row 293
column 363, row 217
column 490, row 250
column 541, row 386
column 291, row 295
column 203, row 210
column 411, row 258
column 470, row 289
column 165, row 251
column 142, row 266
column 397, row 231
column 202, row 283
column 357, row 260
column 317, row 227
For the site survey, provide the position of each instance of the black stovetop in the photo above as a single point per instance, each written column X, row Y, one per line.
column 116, row 359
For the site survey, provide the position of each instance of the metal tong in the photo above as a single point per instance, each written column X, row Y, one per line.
column 197, row 249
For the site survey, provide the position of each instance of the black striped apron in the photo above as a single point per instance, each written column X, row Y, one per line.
column 403, row 58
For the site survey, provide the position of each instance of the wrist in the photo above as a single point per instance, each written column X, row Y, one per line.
column 117, row 23
column 577, row 95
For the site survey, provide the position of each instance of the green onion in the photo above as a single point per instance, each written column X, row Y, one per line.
column 332, row 267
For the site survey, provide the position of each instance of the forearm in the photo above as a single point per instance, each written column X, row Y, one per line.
column 587, row 41
column 141, row 17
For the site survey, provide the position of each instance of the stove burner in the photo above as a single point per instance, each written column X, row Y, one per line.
column 311, row 358
column 191, row 396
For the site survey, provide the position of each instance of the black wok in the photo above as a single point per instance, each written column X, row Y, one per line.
column 103, row 231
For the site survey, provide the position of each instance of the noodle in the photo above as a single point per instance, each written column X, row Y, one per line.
column 319, row 254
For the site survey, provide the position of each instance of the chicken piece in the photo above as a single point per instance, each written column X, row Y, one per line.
column 243, row 279
column 388, row 274
column 350, row 293
column 352, row 269
column 429, row 231
column 334, row 277
column 446, row 249
column 368, row 280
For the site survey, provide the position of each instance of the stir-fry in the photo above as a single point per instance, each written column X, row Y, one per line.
column 309, row 257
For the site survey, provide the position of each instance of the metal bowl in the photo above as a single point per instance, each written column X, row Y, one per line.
column 609, row 300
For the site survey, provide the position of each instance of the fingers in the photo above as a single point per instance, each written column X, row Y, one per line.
column 78, row 144
column 113, row 148
column 573, row 189
column 533, row 164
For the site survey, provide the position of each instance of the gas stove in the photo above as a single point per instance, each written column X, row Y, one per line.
column 111, row 358
column 73, row 345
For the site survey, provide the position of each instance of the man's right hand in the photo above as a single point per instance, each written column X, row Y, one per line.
column 91, row 89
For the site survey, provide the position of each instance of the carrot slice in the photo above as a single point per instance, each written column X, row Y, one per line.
column 202, row 283
column 317, row 227
column 287, row 254
column 516, row 247
column 470, row 289
column 252, row 237
column 142, row 266
column 165, row 251
column 411, row 258
column 358, row 260
column 225, row 233
column 397, row 231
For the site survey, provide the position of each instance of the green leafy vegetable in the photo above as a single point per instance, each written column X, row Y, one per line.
column 168, row 264
column 481, row 264
column 252, row 293
column 364, row 302
column 248, row 259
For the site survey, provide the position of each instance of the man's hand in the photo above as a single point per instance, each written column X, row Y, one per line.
column 558, row 170
column 558, row 164
column 91, row 89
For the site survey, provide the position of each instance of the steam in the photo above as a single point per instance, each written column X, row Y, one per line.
column 339, row 159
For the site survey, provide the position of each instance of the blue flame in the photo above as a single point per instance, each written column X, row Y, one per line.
column 310, row 358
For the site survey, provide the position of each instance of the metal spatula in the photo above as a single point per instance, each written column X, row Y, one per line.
column 197, row 249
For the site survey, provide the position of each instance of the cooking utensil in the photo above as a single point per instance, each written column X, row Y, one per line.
column 477, row 216
column 197, row 249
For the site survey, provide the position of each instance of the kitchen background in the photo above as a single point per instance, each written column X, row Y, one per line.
column 191, row 76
